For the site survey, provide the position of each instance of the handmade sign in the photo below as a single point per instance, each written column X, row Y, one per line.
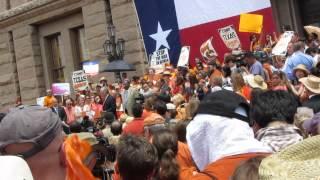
column 207, row 50
column 281, row 47
column 80, row 80
column 251, row 23
column 230, row 37
column 59, row 89
column 184, row 57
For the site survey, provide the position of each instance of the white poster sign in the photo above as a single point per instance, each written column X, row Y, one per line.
column 91, row 67
column 207, row 50
column 80, row 80
column 184, row 57
column 158, row 60
column 230, row 37
column 281, row 47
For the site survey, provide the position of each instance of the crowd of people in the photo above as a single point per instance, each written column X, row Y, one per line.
column 249, row 116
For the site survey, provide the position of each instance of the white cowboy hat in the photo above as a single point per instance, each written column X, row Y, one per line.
column 257, row 82
column 312, row 83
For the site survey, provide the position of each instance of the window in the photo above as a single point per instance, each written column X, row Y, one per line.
column 55, row 59
column 81, row 50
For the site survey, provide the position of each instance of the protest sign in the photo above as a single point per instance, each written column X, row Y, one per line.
column 91, row 68
column 207, row 50
column 184, row 57
column 158, row 60
column 251, row 23
column 281, row 47
column 40, row 101
column 59, row 89
column 80, row 80
column 230, row 37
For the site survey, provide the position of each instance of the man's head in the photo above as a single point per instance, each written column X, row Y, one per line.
column 160, row 107
column 137, row 110
column 54, row 102
column 290, row 49
column 270, row 106
column 298, row 46
column 126, row 84
column 250, row 58
column 230, row 60
column 34, row 133
column 137, row 159
column 116, row 128
column 49, row 92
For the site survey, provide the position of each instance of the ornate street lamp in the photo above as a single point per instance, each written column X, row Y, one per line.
column 114, row 50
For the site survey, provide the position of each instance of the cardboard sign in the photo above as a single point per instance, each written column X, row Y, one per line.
column 230, row 37
column 281, row 47
column 158, row 60
column 207, row 50
column 59, row 89
column 80, row 80
column 251, row 23
column 91, row 68
column 184, row 57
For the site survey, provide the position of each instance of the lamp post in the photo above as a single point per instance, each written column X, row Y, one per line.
column 114, row 50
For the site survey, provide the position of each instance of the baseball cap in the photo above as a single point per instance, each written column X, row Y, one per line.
column 14, row 168
column 29, row 124
column 225, row 103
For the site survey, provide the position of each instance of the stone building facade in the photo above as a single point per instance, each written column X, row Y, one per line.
column 44, row 41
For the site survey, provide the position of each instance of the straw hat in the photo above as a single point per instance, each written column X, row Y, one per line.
column 166, row 73
column 302, row 68
column 257, row 82
column 102, row 79
column 299, row 161
column 312, row 83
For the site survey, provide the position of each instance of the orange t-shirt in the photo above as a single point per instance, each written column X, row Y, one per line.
column 187, row 167
column 224, row 168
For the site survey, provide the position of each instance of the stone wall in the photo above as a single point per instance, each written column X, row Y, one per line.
column 9, row 84
column 29, row 63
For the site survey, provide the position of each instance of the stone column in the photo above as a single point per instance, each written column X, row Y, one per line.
column 8, row 72
column 29, row 64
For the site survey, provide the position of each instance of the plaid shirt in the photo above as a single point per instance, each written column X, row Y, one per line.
column 279, row 137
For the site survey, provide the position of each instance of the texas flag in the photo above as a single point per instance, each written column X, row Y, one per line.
column 175, row 23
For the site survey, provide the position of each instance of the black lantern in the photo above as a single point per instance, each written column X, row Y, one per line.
column 115, row 53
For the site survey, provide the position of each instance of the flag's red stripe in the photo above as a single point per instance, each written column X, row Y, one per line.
column 197, row 35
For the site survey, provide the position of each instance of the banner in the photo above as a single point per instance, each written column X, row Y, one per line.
column 230, row 37
column 252, row 23
column 184, row 57
column 91, row 68
column 80, row 80
column 158, row 60
column 59, row 89
column 281, row 47
column 207, row 50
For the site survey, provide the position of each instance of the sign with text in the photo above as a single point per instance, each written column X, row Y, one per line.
column 184, row 57
column 281, row 47
column 230, row 37
column 59, row 89
column 158, row 59
column 91, row 68
column 80, row 80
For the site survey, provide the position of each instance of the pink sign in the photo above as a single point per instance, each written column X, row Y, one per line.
column 59, row 89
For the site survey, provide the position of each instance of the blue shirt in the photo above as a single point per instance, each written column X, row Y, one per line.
column 257, row 69
column 296, row 59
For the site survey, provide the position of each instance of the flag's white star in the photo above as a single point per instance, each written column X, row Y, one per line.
column 161, row 37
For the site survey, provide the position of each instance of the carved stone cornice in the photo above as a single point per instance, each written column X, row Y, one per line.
column 31, row 9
